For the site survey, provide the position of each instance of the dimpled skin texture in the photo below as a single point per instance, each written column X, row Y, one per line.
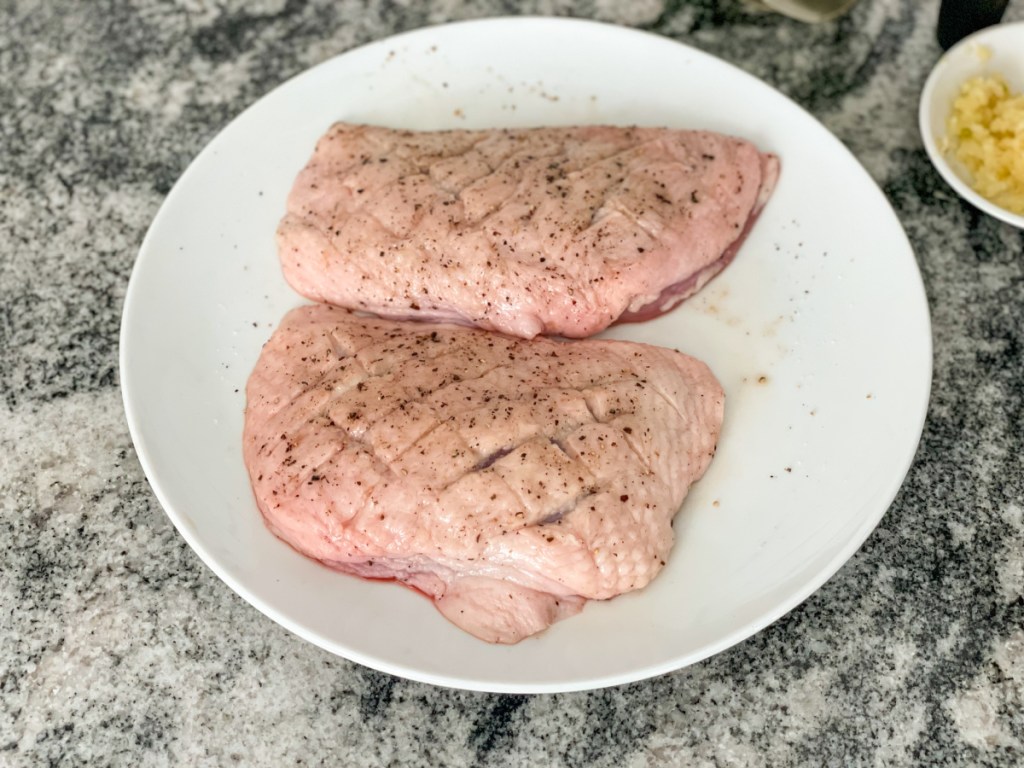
column 557, row 231
column 508, row 480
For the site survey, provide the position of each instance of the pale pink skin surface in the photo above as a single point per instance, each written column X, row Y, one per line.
column 509, row 480
column 557, row 231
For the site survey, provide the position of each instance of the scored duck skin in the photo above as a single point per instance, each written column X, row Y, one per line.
column 556, row 231
column 508, row 480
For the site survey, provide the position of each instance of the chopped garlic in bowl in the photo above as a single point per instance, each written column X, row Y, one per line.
column 986, row 134
column 972, row 120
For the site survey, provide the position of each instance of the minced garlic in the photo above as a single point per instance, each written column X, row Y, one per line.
column 986, row 134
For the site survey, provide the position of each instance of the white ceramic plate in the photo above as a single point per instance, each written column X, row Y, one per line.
column 995, row 50
column 819, row 332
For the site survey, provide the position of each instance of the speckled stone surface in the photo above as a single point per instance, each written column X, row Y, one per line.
column 119, row 647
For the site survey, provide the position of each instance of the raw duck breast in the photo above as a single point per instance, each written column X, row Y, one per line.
column 508, row 480
column 557, row 231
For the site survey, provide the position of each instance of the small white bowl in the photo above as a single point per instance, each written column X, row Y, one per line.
column 995, row 50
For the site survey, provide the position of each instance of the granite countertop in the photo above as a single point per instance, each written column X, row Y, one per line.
column 119, row 647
